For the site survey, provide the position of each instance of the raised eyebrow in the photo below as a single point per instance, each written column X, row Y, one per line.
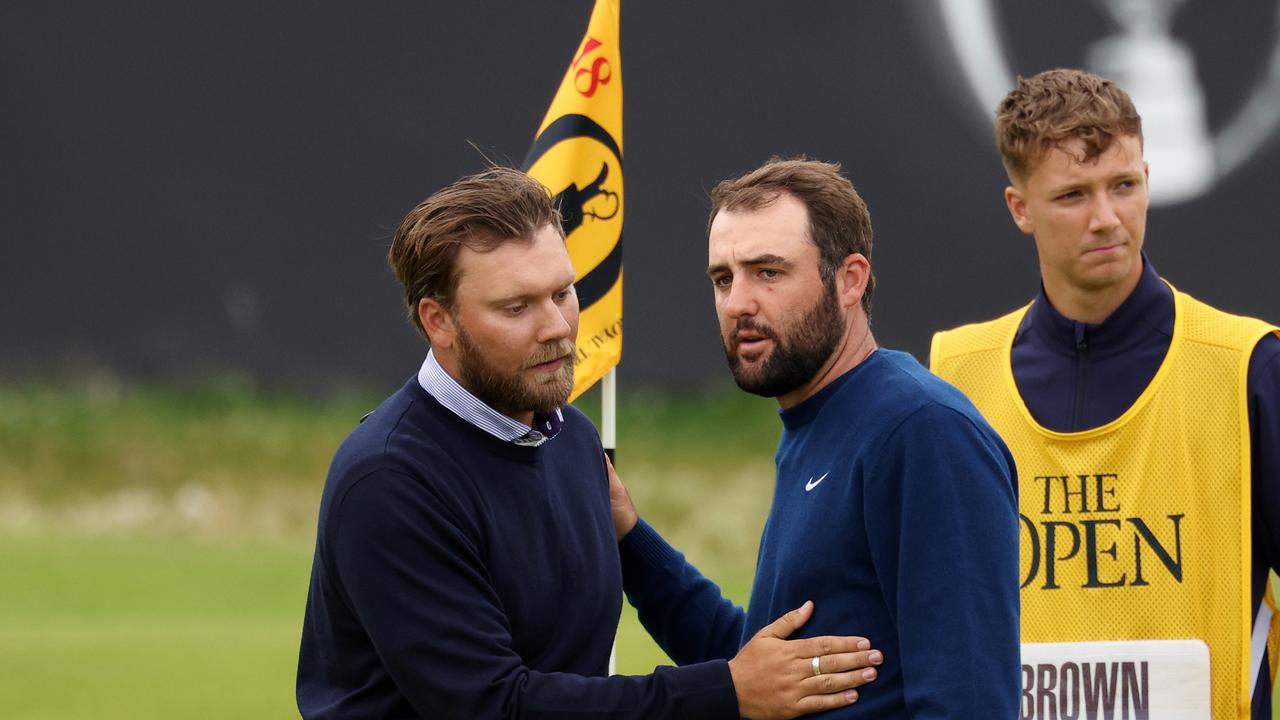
column 766, row 259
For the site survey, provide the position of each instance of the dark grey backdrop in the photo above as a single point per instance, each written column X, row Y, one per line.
column 190, row 189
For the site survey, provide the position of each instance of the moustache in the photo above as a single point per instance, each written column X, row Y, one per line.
column 554, row 351
column 745, row 325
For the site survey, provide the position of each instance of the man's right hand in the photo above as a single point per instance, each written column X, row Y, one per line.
column 774, row 677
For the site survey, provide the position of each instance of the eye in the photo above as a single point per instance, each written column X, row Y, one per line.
column 1069, row 196
column 564, row 294
column 770, row 274
column 721, row 282
column 516, row 309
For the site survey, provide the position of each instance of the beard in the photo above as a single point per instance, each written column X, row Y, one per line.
column 510, row 393
column 796, row 356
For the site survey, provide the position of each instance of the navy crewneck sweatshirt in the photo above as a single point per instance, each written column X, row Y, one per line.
column 1075, row 376
column 895, row 511
column 460, row 576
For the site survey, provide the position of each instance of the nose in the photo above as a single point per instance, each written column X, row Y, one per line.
column 1103, row 218
column 556, row 322
column 738, row 301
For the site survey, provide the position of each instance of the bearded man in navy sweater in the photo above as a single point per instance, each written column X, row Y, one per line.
column 466, row 562
column 895, row 506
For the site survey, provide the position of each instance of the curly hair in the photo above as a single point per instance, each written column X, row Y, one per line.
column 1055, row 106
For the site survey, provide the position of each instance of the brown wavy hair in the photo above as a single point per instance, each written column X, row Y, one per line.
column 1048, row 109
column 480, row 212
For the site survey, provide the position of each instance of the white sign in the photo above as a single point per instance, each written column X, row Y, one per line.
column 1130, row 680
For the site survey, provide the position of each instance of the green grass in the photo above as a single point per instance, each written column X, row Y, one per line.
column 60, row 445
column 148, row 627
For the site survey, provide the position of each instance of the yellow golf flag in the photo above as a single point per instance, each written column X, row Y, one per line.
column 577, row 154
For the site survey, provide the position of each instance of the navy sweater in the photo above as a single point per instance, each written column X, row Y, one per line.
column 460, row 576
column 894, row 511
column 1075, row 376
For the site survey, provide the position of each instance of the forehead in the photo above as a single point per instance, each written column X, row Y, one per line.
column 1060, row 165
column 780, row 228
column 520, row 267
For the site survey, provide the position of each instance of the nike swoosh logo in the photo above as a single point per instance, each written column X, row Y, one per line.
column 814, row 483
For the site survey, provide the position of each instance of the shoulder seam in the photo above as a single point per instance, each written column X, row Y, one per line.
column 926, row 405
column 340, row 501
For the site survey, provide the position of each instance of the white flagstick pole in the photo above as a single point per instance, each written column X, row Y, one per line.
column 609, row 438
column 609, row 412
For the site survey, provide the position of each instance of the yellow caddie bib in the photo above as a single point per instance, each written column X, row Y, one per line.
column 1132, row 533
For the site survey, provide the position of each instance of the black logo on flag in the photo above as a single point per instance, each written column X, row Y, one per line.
column 580, row 204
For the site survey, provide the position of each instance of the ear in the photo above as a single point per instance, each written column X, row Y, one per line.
column 438, row 323
column 851, row 279
column 1016, row 201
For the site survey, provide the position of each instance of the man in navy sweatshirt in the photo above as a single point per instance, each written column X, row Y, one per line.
column 894, row 507
column 466, row 562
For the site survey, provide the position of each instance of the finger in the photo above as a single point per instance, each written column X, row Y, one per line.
column 826, row 684
column 614, row 480
column 843, row 662
column 831, row 645
column 817, row 703
column 789, row 623
column 617, row 491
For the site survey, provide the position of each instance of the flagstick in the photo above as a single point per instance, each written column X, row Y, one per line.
column 609, row 438
column 609, row 413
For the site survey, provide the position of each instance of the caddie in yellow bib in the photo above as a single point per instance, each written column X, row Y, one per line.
column 1131, row 410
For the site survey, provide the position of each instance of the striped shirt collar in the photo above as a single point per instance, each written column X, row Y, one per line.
column 461, row 402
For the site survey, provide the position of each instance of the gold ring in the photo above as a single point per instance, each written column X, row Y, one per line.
column 816, row 662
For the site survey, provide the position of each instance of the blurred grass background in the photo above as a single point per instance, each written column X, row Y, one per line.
column 156, row 542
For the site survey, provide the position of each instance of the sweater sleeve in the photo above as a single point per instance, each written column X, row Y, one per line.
column 416, row 581
column 942, row 522
column 684, row 611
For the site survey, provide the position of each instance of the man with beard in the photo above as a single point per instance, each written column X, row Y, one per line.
column 894, row 507
column 466, row 564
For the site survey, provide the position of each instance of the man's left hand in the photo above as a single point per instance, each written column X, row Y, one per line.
column 624, row 511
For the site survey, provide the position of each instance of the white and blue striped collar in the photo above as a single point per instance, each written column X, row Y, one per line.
column 449, row 392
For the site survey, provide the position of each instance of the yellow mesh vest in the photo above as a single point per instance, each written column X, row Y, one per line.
column 1139, row 529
